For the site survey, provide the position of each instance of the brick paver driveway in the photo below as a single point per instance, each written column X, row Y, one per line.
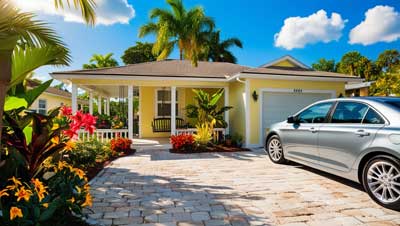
column 158, row 188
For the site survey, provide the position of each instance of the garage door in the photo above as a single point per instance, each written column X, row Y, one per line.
column 277, row 106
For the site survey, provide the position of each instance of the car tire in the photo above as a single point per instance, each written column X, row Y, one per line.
column 381, row 180
column 274, row 150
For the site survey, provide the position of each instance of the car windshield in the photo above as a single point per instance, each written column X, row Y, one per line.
column 394, row 103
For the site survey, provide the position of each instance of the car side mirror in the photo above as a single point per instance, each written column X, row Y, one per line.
column 292, row 120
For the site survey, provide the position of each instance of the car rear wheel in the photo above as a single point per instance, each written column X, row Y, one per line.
column 381, row 179
column 275, row 150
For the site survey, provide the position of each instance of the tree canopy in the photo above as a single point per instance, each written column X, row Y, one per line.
column 324, row 65
column 100, row 61
column 217, row 50
column 141, row 52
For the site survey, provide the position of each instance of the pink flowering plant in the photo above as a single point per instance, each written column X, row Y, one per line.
column 34, row 137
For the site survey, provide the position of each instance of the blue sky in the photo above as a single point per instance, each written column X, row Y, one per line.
column 254, row 22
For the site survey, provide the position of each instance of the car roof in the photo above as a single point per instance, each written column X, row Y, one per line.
column 366, row 99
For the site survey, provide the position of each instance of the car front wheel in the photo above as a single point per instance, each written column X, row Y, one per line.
column 381, row 179
column 275, row 150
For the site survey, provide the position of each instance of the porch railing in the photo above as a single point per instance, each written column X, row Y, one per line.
column 217, row 135
column 102, row 135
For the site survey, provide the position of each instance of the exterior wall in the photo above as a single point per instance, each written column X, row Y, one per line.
column 285, row 63
column 237, row 113
column 364, row 92
column 53, row 101
column 258, row 84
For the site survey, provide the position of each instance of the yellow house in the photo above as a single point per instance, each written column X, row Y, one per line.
column 51, row 98
column 259, row 96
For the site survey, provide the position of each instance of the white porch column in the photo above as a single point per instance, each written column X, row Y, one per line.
column 173, row 110
column 99, row 103
column 91, row 103
column 130, row 112
column 226, row 103
column 108, row 106
column 74, row 101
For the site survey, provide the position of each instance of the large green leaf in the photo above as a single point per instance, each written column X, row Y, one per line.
column 28, row 134
column 26, row 59
column 13, row 103
column 31, row 95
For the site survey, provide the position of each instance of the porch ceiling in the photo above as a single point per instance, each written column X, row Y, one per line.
column 108, row 91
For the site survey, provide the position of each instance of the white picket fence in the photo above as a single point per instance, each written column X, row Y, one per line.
column 216, row 132
column 102, row 135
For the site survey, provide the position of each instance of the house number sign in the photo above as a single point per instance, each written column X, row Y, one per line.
column 297, row 90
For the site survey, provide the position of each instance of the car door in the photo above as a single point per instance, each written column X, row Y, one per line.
column 299, row 139
column 351, row 130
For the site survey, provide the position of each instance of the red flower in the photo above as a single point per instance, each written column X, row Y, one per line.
column 120, row 144
column 78, row 121
column 180, row 141
column 66, row 111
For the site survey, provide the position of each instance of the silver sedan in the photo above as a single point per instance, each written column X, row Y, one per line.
column 354, row 138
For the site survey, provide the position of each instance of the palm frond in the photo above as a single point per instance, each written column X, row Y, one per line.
column 14, row 23
column 25, row 60
column 87, row 8
column 232, row 42
column 149, row 28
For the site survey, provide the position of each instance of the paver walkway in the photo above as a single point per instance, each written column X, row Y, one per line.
column 155, row 187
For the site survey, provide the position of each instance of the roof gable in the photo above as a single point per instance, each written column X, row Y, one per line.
column 286, row 62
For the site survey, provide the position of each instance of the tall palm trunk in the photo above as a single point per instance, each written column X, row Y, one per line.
column 5, row 77
column 180, row 53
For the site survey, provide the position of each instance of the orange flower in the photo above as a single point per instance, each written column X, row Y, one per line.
column 23, row 194
column 16, row 183
column 72, row 200
column 70, row 145
column 4, row 193
column 88, row 200
column 79, row 173
column 45, row 205
column 15, row 212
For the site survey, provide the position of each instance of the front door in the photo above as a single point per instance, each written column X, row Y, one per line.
column 352, row 128
column 300, row 138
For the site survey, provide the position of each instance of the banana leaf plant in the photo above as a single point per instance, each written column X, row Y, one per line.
column 206, row 108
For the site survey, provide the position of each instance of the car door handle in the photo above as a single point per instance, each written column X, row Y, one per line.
column 361, row 133
column 313, row 130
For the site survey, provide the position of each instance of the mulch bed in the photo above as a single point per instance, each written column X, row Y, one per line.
column 210, row 149
column 91, row 172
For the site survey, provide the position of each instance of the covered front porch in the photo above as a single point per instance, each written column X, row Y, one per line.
column 149, row 112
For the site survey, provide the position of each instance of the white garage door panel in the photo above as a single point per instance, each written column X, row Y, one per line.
column 278, row 106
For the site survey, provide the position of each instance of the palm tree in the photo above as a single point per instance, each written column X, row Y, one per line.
column 26, row 44
column 217, row 50
column 178, row 27
column 100, row 61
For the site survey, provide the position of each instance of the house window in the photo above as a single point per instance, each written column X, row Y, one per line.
column 42, row 107
column 163, row 103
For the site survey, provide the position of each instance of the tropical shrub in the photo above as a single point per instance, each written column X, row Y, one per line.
column 45, row 201
column 120, row 144
column 206, row 108
column 182, row 142
column 85, row 154
column 204, row 134
column 103, row 121
column 117, row 122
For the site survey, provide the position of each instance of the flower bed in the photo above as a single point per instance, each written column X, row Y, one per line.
column 186, row 144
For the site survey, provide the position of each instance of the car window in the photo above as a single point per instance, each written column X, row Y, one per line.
column 349, row 112
column 373, row 118
column 315, row 114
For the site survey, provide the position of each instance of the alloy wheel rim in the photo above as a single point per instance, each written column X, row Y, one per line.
column 275, row 149
column 383, row 180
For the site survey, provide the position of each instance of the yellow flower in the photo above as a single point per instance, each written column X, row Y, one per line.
column 70, row 145
column 45, row 205
column 15, row 212
column 62, row 165
column 4, row 193
column 56, row 140
column 79, row 173
column 55, row 126
column 72, row 200
column 88, row 200
column 23, row 194
column 15, row 180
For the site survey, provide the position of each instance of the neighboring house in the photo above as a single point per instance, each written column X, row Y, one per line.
column 358, row 89
column 51, row 98
column 259, row 96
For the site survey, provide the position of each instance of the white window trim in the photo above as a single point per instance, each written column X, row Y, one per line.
column 156, row 102
column 45, row 107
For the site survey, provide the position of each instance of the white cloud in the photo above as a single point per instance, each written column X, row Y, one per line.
column 381, row 24
column 108, row 12
column 318, row 27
